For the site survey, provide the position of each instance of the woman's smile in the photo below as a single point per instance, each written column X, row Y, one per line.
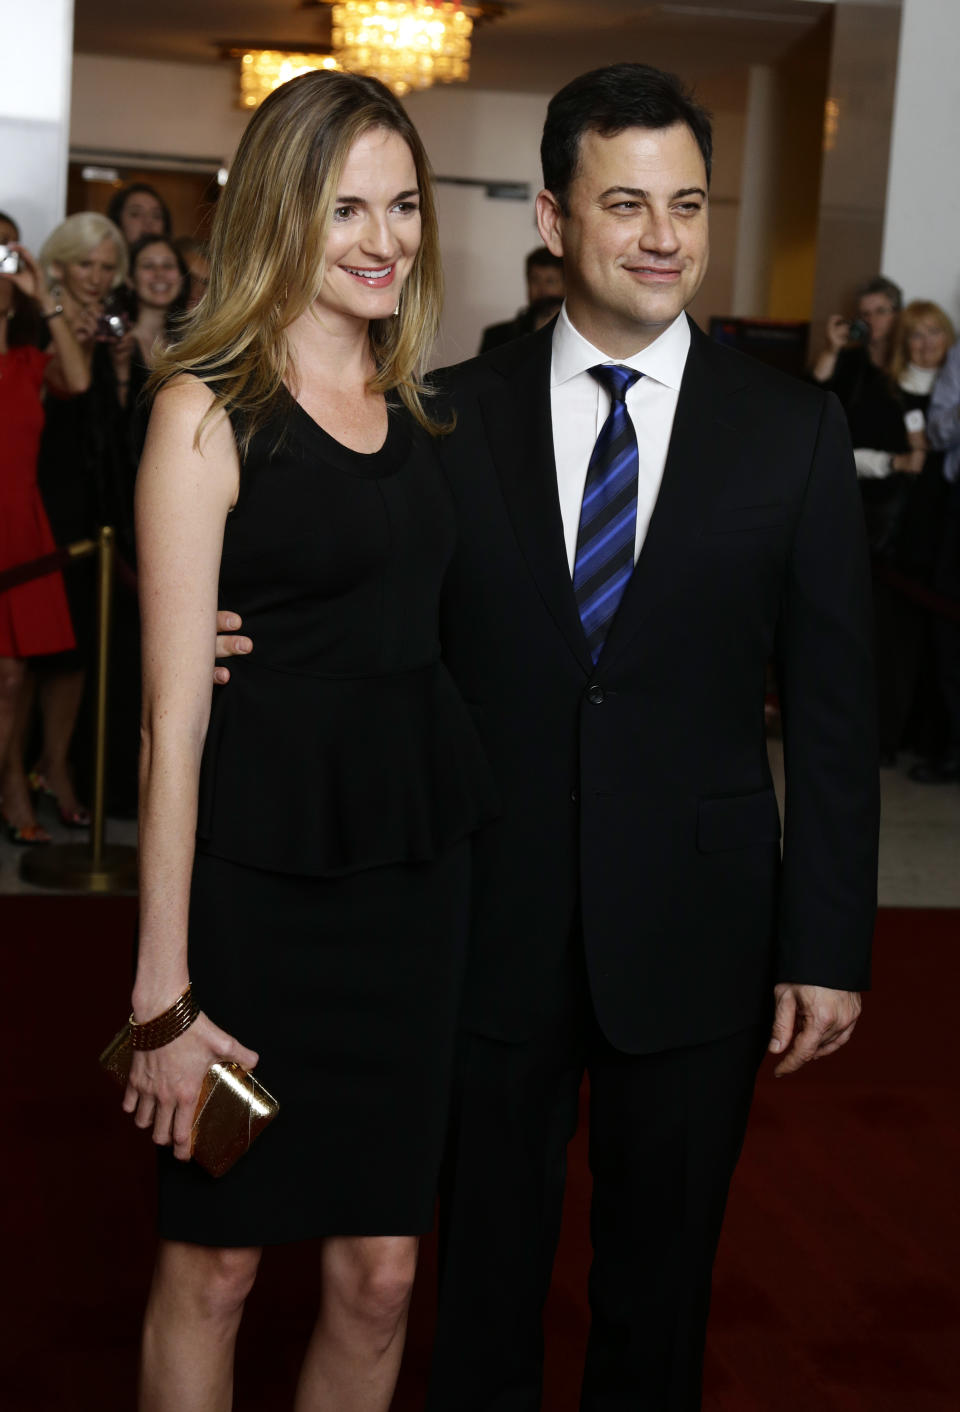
column 377, row 278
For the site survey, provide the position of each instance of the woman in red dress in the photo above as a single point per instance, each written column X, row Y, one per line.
column 34, row 617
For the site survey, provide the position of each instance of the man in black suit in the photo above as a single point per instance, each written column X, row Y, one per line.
column 544, row 273
column 633, row 916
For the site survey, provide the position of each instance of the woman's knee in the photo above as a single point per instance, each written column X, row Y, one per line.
column 216, row 1281
column 374, row 1277
column 11, row 679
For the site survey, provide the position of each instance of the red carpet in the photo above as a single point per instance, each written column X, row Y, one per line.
column 836, row 1287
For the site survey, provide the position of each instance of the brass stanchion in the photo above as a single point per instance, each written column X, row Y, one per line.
column 95, row 866
column 82, row 547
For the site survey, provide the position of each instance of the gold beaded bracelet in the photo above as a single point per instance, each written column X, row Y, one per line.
column 164, row 1029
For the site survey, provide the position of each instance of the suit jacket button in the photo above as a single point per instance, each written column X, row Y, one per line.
column 595, row 693
column 574, row 796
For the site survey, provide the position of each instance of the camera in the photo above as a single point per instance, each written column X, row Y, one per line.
column 859, row 331
column 113, row 321
column 9, row 261
column 111, row 327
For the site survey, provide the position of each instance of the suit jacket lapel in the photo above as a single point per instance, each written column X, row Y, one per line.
column 703, row 445
column 519, row 431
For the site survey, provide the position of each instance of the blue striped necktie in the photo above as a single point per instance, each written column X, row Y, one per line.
column 607, row 536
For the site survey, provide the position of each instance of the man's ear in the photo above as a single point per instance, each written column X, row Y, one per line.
column 550, row 222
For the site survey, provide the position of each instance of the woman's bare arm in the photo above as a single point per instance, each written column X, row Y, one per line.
column 182, row 500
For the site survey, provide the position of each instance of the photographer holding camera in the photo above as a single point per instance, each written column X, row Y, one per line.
column 34, row 618
column 852, row 348
column 85, row 260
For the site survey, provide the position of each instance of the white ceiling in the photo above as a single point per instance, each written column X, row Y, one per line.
column 537, row 46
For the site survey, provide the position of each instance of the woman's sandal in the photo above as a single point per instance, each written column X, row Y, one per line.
column 28, row 836
column 78, row 818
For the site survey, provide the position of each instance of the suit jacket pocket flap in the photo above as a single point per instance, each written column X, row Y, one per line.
column 737, row 821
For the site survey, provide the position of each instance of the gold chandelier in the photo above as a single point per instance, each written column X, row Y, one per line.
column 263, row 70
column 407, row 44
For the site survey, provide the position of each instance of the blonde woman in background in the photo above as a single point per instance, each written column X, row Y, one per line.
column 904, row 496
column 34, row 618
column 304, row 846
column 922, row 338
column 84, row 260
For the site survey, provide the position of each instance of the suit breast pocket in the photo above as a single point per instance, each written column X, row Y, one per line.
column 737, row 821
column 742, row 519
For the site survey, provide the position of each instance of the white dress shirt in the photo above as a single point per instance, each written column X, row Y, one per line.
column 579, row 408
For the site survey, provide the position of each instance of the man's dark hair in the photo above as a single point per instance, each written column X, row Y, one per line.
column 881, row 285
column 542, row 259
column 608, row 101
column 10, row 222
column 120, row 198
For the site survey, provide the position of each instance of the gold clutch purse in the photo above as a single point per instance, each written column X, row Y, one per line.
column 233, row 1108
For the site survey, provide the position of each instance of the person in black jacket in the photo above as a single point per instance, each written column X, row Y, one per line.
column 632, row 915
column 544, row 273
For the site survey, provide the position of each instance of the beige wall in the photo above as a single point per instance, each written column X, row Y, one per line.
column 34, row 104
column 921, row 238
column 853, row 188
column 726, row 97
column 802, row 83
column 142, row 106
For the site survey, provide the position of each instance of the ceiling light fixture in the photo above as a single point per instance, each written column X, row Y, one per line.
column 263, row 70
column 407, row 44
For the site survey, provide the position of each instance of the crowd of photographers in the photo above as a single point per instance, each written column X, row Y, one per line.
column 113, row 285
column 896, row 370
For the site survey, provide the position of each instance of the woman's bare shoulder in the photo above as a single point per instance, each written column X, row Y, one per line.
column 179, row 408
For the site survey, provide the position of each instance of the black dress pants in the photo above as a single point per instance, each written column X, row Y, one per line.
column 948, row 631
column 665, row 1134
column 899, row 636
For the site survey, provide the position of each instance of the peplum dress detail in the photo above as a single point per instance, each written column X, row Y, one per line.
column 341, row 780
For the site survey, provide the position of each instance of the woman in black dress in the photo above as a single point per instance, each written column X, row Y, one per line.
column 304, row 847
column 904, row 501
column 84, row 259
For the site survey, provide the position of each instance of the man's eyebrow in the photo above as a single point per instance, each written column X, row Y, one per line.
column 638, row 191
column 359, row 200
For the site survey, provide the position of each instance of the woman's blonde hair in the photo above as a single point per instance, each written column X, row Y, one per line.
column 267, row 253
column 73, row 239
column 913, row 314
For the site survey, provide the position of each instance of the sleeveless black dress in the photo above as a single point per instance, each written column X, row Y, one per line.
column 341, row 780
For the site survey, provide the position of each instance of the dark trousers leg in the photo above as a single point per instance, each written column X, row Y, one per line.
column 665, row 1135
column 948, row 632
column 899, row 639
column 515, row 1110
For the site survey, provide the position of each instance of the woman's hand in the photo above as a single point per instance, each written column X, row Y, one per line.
column 84, row 324
column 165, row 1083
column 228, row 645
column 120, row 348
column 838, row 332
column 30, row 279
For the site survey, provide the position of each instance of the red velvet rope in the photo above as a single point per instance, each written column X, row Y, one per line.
column 57, row 560
column 35, row 568
column 917, row 592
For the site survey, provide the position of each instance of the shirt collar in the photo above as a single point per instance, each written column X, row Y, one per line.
column 663, row 360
